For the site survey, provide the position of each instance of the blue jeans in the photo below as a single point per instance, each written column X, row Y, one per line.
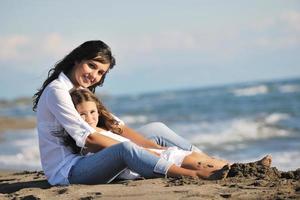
column 164, row 136
column 106, row 164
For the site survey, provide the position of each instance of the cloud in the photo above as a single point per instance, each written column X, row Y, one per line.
column 19, row 48
column 277, row 32
column 292, row 19
column 222, row 44
column 12, row 47
column 203, row 40
column 54, row 44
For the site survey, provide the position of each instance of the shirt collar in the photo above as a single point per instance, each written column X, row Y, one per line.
column 67, row 82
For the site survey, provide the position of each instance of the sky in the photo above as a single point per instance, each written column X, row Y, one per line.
column 158, row 45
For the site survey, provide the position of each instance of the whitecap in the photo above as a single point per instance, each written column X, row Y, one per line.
column 289, row 88
column 251, row 91
column 276, row 117
column 238, row 130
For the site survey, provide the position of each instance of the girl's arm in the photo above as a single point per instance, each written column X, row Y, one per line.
column 96, row 142
column 138, row 138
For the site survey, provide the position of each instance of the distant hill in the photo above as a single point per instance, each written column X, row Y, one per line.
column 17, row 101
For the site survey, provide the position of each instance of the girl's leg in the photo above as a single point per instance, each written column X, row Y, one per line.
column 189, row 166
column 208, row 165
column 164, row 136
column 201, row 161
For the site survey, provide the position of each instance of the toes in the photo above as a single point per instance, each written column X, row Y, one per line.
column 266, row 161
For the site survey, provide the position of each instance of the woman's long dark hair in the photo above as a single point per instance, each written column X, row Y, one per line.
column 105, row 120
column 86, row 51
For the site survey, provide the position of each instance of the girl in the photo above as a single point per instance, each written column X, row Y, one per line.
column 86, row 67
column 96, row 115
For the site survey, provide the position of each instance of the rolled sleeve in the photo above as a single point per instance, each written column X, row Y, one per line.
column 61, row 106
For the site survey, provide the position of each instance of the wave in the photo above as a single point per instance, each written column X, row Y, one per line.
column 27, row 158
column 20, row 151
column 275, row 117
column 251, row 91
column 239, row 130
column 289, row 88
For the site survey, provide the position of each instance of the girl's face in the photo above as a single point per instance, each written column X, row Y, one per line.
column 89, row 112
column 88, row 72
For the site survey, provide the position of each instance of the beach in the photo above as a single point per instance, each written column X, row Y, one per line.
column 11, row 123
column 243, row 182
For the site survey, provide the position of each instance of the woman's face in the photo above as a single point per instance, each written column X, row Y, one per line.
column 87, row 73
column 89, row 112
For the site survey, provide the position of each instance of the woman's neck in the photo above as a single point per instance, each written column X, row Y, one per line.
column 71, row 77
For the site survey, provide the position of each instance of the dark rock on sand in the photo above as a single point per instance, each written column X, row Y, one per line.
column 254, row 170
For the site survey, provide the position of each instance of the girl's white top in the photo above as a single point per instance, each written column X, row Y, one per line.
column 55, row 111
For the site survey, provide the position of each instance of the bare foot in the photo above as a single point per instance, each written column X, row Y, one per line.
column 217, row 174
column 265, row 161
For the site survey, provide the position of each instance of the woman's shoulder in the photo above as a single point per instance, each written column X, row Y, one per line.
column 55, row 90
column 54, row 86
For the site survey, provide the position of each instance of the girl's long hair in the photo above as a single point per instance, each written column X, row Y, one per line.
column 106, row 120
column 86, row 51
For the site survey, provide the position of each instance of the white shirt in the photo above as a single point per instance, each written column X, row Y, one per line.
column 55, row 111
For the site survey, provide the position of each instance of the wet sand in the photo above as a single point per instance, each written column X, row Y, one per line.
column 9, row 123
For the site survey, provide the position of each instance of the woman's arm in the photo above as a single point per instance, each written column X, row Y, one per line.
column 138, row 138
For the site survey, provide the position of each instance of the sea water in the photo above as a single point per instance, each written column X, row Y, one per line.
column 239, row 123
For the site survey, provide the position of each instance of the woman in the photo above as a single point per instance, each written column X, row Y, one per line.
column 86, row 67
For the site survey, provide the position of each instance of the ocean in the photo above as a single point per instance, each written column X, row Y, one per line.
column 238, row 122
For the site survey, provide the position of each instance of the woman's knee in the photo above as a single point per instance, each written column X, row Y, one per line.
column 156, row 125
column 128, row 146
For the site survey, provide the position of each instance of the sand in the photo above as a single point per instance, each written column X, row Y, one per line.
column 9, row 123
column 243, row 182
